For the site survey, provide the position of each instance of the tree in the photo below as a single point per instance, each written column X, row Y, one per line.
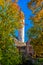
column 9, row 22
column 36, row 32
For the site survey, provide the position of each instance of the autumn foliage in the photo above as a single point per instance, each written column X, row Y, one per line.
column 9, row 22
column 36, row 32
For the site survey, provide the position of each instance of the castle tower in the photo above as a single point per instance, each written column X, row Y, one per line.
column 21, row 30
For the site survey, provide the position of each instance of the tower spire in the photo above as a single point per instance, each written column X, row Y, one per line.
column 21, row 30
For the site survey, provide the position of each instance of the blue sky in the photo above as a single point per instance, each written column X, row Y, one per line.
column 27, row 13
